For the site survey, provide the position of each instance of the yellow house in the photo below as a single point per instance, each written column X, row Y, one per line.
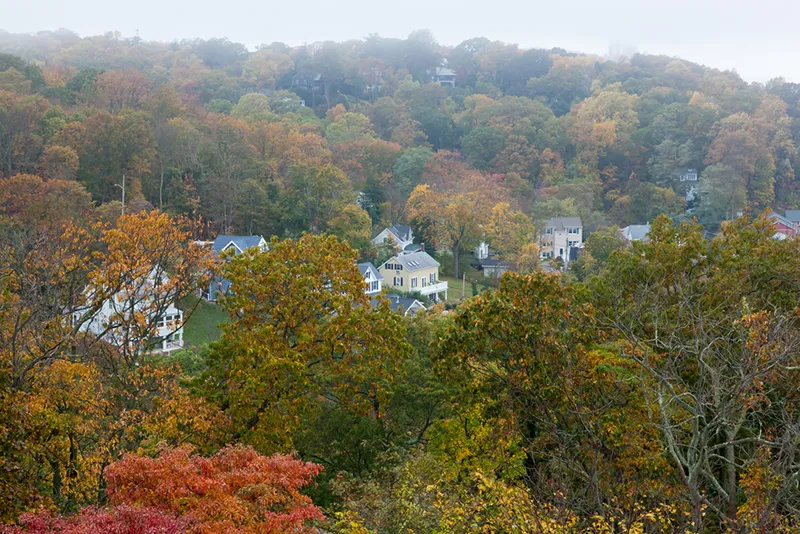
column 416, row 272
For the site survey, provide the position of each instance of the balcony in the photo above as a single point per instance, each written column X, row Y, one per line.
column 431, row 289
column 172, row 344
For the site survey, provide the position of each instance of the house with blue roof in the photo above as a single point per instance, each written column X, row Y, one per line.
column 238, row 244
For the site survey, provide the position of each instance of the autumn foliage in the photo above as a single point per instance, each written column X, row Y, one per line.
column 92, row 520
column 236, row 490
column 651, row 387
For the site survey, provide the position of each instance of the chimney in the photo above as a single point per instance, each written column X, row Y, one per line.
column 423, row 246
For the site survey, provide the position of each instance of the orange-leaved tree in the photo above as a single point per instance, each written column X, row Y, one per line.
column 91, row 520
column 236, row 490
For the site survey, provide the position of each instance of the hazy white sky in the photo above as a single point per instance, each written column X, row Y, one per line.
column 758, row 38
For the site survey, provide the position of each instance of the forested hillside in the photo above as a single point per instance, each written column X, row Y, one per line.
column 649, row 388
column 208, row 128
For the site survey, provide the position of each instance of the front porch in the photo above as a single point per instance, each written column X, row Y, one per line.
column 435, row 292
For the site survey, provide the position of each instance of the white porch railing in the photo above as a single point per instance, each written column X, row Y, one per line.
column 430, row 289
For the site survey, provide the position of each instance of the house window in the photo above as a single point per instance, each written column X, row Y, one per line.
column 424, row 281
column 414, row 282
column 572, row 243
column 573, row 231
column 168, row 320
column 398, row 281
column 548, row 231
column 367, row 275
column 433, row 278
column 561, row 252
column 375, row 285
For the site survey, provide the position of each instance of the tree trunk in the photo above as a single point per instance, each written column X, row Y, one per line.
column 697, row 512
column 56, row 467
column 456, row 252
column 730, row 482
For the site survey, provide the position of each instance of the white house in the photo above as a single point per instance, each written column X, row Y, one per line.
column 481, row 252
column 559, row 235
column 414, row 272
column 493, row 268
column 398, row 234
column 484, row 261
column 444, row 76
column 159, row 312
column 688, row 182
column 373, row 280
column 237, row 243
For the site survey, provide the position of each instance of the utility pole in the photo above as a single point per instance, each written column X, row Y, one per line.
column 123, row 192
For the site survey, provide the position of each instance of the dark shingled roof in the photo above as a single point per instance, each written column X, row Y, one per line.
column 396, row 302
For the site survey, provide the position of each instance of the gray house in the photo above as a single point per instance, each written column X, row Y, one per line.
column 635, row 232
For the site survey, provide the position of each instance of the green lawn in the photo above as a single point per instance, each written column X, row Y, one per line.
column 454, row 284
column 203, row 325
column 454, row 287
